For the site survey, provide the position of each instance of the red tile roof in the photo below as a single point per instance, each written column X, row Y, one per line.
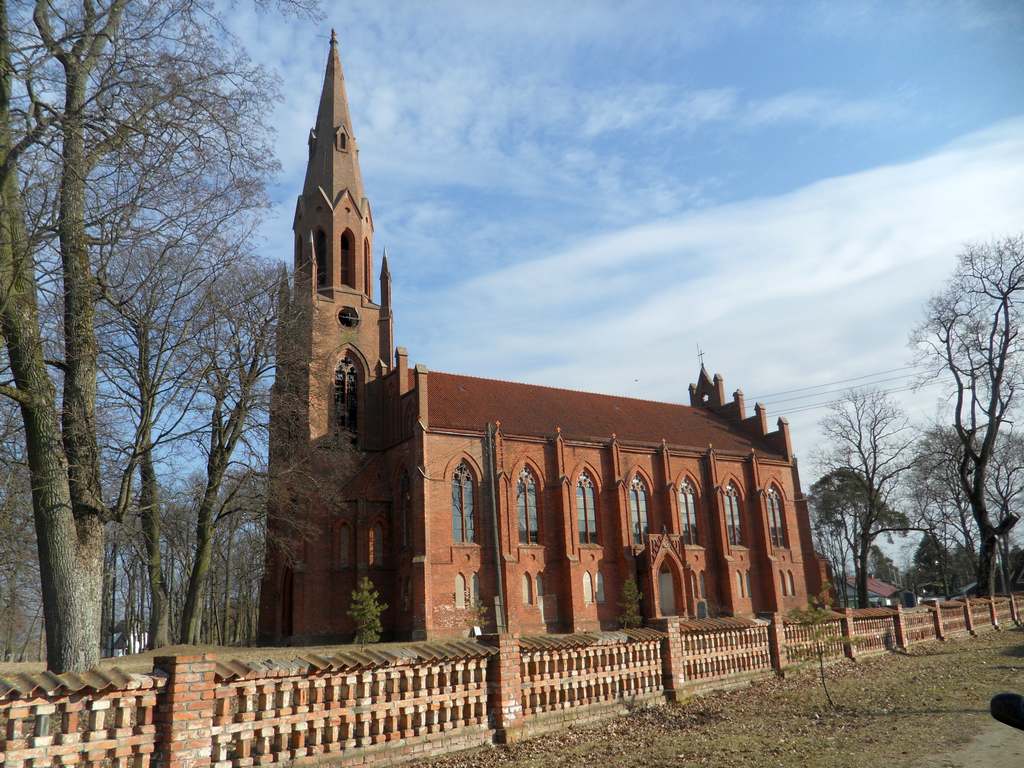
column 877, row 586
column 467, row 402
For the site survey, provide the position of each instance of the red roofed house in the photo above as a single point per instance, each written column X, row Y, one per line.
column 394, row 473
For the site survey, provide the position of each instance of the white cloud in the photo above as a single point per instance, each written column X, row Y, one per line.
column 813, row 286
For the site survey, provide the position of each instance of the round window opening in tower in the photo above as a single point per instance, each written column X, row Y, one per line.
column 348, row 317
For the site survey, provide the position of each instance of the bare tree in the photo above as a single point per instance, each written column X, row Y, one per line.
column 869, row 447
column 1006, row 493
column 93, row 96
column 971, row 335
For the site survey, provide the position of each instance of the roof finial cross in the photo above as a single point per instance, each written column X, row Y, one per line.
column 334, row 37
column 700, row 355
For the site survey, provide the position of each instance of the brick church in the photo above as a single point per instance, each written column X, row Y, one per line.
column 474, row 502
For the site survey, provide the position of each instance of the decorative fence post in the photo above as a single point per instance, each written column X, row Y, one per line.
column 504, row 687
column 777, row 644
column 848, row 645
column 940, row 630
column 673, row 660
column 184, row 716
column 968, row 617
column 900, row 628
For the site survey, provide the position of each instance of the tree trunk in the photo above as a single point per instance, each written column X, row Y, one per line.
column 192, row 615
column 862, row 572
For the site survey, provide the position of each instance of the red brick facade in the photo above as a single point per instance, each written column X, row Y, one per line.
column 528, row 502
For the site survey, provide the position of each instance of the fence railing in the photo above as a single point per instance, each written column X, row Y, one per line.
column 393, row 703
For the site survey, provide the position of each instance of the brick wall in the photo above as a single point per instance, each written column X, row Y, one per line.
column 386, row 704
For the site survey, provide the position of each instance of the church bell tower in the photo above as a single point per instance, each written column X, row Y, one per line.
column 344, row 334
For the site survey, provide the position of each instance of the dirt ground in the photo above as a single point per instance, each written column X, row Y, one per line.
column 925, row 709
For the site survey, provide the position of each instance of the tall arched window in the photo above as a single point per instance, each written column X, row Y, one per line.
column 348, row 256
column 688, row 513
column 404, row 504
column 526, row 503
column 527, row 589
column 474, row 591
column 346, row 400
column 460, row 591
column 703, row 587
column 463, row 528
column 600, row 587
column 344, row 546
column 586, row 509
column 776, row 523
column 739, row 582
column 321, row 259
column 638, row 509
column 376, row 544
column 733, row 523
column 747, row 578
column 782, row 583
column 367, row 269
column 792, row 583
column 588, row 588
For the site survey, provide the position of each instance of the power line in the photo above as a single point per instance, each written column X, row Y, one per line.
column 772, row 403
column 833, row 383
column 826, row 404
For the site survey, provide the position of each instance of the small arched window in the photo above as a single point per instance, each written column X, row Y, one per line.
column 688, row 513
column 733, row 523
column 474, row 591
column 527, row 589
column 792, row 583
column 344, row 546
column 348, row 255
column 321, row 260
column 463, row 528
column 782, row 583
column 526, row 503
column 750, row 592
column 600, row 587
column 346, row 399
column 703, row 587
column 460, row 591
column 638, row 509
column 376, row 544
column 586, row 509
column 588, row 588
column 539, row 589
column 739, row 583
column 776, row 522
column 693, row 586
column 404, row 507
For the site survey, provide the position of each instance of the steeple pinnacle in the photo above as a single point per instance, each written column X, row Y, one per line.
column 333, row 152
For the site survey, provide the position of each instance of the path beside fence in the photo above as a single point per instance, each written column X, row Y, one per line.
column 374, row 704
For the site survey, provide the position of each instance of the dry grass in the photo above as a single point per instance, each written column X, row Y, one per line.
column 896, row 711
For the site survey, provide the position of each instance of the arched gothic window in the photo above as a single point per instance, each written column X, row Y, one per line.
column 346, row 399
column 348, row 255
column 376, row 544
column 366, row 268
column 792, row 583
column 586, row 509
column 404, row 505
column 527, row 589
column 474, row 591
column 600, row 587
column 460, row 591
column 733, row 522
column 638, row 509
column 739, row 583
column 588, row 588
column 344, row 546
column 747, row 579
column 782, row 583
column 703, row 588
column 463, row 528
column 321, row 259
column 776, row 522
column 688, row 513
column 526, row 503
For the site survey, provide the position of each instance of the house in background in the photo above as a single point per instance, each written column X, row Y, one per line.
column 881, row 594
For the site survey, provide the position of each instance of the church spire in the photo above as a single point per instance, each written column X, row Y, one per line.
column 333, row 152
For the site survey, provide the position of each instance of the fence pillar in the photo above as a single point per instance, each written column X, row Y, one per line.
column 992, row 612
column 1014, row 615
column 184, row 712
column 504, row 687
column 848, row 640
column 968, row 617
column 673, row 660
column 777, row 644
column 900, row 628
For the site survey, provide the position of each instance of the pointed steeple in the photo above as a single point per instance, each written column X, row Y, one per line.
column 333, row 152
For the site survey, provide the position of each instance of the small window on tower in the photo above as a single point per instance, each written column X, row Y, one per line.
column 348, row 317
column 342, row 140
column 346, row 410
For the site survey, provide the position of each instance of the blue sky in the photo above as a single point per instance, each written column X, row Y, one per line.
column 782, row 183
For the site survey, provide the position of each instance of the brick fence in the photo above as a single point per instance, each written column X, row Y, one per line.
column 388, row 703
